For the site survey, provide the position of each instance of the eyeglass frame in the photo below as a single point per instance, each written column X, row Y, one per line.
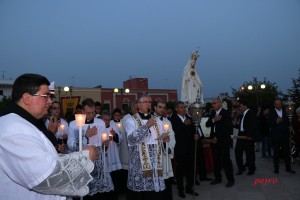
column 46, row 96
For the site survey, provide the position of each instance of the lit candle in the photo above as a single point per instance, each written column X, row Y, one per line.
column 166, row 127
column 111, row 137
column 80, row 121
column 119, row 125
column 104, row 138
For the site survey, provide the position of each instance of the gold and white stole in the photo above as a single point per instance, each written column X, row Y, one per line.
column 147, row 167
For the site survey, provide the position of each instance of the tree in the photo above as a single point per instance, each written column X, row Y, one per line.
column 294, row 92
column 257, row 97
column 3, row 104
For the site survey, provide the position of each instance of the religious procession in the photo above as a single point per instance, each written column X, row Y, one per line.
column 148, row 153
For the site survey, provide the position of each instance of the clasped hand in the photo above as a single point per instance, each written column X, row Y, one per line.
column 91, row 131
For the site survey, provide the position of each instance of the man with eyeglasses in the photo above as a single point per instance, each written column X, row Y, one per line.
column 32, row 167
column 56, row 124
column 145, row 172
column 221, row 130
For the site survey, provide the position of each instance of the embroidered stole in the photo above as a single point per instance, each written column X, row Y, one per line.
column 147, row 167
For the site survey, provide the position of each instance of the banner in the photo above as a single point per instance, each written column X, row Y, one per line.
column 68, row 104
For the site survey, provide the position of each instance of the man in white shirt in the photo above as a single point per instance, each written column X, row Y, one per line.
column 31, row 161
column 168, row 144
column 101, row 186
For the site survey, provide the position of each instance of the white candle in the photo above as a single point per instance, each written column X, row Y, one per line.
column 104, row 138
column 166, row 127
column 80, row 121
column 119, row 125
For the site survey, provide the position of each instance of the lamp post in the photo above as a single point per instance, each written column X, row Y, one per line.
column 122, row 91
column 255, row 87
column 59, row 92
column 69, row 89
column 196, row 110
column 290, row 106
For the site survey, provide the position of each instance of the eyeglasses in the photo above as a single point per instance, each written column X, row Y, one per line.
column 146, row 102
column 46, row 96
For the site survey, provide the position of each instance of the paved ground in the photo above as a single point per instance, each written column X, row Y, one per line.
column 263, row 185
column 282, row 186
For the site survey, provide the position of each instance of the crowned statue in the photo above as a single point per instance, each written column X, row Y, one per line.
column 191, row 84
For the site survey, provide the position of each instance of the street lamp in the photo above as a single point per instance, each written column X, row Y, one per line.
column 255, row 87
column 122, row 91
column 68, row 89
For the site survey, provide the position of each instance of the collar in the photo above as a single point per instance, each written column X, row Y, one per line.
column 15, row 108
column 160, row 117
column 90, row 121
column 116, row 121
column 145, row 116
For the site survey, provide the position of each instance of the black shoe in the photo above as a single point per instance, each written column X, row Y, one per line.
column 290, row 171
column 276, row 171
column 239, row 172
column 229, row 184
column 214, row 182
column 191, row 192
column 181, row 194
column 197, row 182
column 250, row 173
column 206, row 179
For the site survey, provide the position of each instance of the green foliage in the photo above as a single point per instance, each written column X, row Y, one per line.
column 3, row 104
column 294, row 92
column 257, row 97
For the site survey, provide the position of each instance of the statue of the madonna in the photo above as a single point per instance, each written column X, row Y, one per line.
column 191, row 83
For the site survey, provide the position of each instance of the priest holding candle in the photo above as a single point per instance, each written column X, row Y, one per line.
column 101, row 186
column 168, row 148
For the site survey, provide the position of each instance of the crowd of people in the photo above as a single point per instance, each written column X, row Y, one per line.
column 140, row 154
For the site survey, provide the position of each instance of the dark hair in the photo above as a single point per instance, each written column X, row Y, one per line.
column 105, row 113
column 97, row 103
column 27, row 83
column 244, row 102
column 116, row 110
column 79, row 106
column 179, row 103
column 88, row 102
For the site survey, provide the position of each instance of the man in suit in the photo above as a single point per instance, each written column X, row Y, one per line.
column 185, row 136
column 221, row 130
column 279, row 133
column 248, row 129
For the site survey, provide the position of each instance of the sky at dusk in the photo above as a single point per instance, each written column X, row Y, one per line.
column 104, row 42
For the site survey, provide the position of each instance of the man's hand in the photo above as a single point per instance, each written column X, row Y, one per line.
column 150, row 122
column 217, row 118
column 113, row 132
column 61, row 148
column 279, row 120
column 214, row 140
column 166, row 139
column 187, row 122
column 196, row 136
column 91, row 131
column 93, row 153
column 53, row 125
